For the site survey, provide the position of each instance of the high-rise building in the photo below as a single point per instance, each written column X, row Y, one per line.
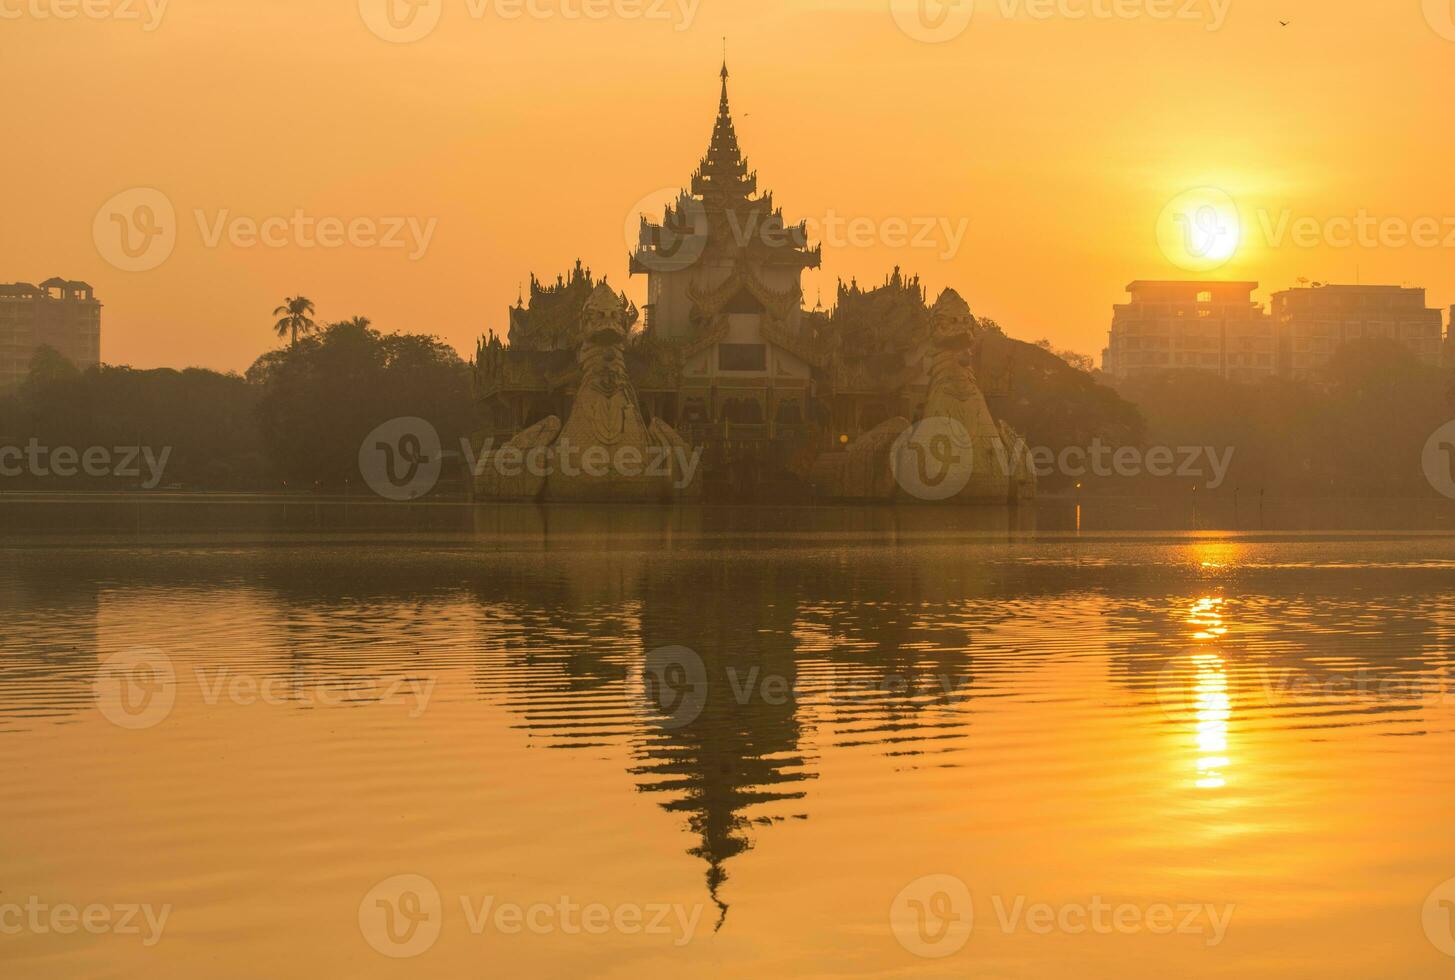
column 1315, row 321
column 1448, row 358
column 58, row 313
column 1210, row 326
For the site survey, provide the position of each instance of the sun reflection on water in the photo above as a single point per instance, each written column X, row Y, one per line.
column 1212, row 708
column 1212, row 705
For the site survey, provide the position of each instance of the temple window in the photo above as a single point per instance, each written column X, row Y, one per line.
column 742, row 357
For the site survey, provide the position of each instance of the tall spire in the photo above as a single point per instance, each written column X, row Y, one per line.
column 720, row 203
column 723, row 169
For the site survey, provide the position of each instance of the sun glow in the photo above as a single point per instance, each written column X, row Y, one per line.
column 1200, row 229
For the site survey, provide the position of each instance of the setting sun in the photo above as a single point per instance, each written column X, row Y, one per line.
column 1200, row 229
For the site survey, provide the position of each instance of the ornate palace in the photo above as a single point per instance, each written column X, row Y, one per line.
column 724, row 356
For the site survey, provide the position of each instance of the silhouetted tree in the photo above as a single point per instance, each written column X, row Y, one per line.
column 205, row 422
column 320, row 397
column 295, row 318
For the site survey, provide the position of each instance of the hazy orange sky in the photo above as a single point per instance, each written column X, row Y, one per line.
column 1053, row 142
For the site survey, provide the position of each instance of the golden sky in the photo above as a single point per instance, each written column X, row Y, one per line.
column 1041, row 148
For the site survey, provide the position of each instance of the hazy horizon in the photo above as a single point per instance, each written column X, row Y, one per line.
column 1040, row 151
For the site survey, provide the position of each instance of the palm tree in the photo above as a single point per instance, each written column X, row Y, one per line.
column 295, row 316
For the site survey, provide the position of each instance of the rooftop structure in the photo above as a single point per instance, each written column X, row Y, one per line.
column 59, row 313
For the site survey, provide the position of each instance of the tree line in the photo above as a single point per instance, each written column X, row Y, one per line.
column 296, row 418
column 293, row 421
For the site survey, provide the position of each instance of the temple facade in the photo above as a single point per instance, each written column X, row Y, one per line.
column 724, row 353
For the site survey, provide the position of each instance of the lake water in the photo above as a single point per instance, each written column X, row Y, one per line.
column 729, row 743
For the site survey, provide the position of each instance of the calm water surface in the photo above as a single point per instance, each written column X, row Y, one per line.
column 666, row 744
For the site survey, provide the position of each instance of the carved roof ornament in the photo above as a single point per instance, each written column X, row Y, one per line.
column 951, row 325
column 779, row 304
column 550, row 319
column 606, row 316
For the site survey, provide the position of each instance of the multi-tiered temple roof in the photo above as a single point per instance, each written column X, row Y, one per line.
column 720, row 217
column 552, row 319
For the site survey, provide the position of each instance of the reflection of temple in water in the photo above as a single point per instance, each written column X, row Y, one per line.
column 798, row 655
